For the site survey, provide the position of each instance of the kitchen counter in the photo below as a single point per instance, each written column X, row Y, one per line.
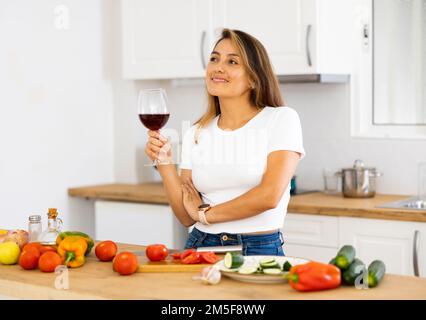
column 96, row 280
column 311, row 203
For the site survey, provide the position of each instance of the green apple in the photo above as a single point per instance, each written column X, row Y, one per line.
column 9, row 252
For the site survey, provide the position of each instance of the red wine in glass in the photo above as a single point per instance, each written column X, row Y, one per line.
column 154, row 121
column 152, row 109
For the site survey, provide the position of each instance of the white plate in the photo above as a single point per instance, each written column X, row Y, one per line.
column 259, row 277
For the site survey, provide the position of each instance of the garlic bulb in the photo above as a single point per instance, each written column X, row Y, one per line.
column 210, row 275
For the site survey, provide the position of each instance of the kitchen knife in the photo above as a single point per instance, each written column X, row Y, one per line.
column 221, row 248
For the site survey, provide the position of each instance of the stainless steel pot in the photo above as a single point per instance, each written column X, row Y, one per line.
column 358, row 181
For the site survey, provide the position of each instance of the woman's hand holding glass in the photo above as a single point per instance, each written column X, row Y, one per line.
column 158, row 148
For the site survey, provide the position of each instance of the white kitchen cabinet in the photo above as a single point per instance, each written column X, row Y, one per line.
column 313, row 236
column 301, row 36
column 164, row 38
column 393, row 242
column 173, row 38
column 138, row 223
column 396, row 243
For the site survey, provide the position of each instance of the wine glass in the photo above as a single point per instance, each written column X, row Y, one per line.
column 152, row 109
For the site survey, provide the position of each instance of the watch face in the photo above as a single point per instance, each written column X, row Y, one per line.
column 204, row 205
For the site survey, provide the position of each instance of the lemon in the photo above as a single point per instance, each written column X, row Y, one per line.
column 3, row 232
column 9, row 252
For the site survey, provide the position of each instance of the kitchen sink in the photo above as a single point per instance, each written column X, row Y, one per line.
column 413, row 203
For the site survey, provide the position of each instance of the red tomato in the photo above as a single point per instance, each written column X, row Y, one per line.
column 44, row 249
column 28, row 259
column 106, row 250
column 33, row 245
column 186, row 253
column 176, row 255
column 156, row 252
column 192, row 258
column 125, row 263
column 209, row 257
column 49, row 261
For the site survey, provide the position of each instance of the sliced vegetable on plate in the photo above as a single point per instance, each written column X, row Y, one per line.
column 233, row 260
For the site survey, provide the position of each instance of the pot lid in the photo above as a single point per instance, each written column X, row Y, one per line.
column 359, row 166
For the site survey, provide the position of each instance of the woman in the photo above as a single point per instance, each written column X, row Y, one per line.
column 239, row 158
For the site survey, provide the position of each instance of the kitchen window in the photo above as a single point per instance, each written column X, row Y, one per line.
column 389, row 81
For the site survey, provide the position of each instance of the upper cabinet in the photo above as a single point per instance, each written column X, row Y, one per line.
column 164, row 38
column 173, row 38
column 301, row 36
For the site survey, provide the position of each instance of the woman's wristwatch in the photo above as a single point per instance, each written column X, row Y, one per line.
column 202, row 209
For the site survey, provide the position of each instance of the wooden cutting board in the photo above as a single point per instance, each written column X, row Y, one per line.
column 169, row 265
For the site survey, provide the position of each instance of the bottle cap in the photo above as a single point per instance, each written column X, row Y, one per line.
column 52, row 213
column 35, row 218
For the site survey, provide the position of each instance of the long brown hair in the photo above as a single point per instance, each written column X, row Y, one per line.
column 265, row 91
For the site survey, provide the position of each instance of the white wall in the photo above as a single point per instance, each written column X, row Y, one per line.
column 56, row 102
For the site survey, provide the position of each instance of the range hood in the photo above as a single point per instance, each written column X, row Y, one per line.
column 314, row 78
column 289, row 78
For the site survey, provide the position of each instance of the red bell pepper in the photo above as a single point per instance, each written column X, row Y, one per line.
column 314, row 276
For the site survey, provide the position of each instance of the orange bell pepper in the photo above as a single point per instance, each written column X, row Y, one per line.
column 314, row 276
column 72, row 250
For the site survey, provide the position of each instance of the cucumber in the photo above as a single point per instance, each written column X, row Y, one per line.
column 356, row 268
column 267, row 260
column 248, row 270
column 270, row 265
column 333, row 261
column 272, row 271
column 233, row 260
column 345, row 257
column 287, row 266
column 376, row 272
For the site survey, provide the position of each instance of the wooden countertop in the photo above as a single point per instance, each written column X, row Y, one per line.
column 96, row 280
column 145, row 193
column 312, row 203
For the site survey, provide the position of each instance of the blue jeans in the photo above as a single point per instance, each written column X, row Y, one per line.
column 253, row 244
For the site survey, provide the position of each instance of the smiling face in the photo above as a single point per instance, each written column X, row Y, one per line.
column 226, row 76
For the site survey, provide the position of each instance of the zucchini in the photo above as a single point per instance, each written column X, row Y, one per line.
column 345, row 257
column 287, row 266
column 356, row 268
column 233, row 260
column 376, row 272
column 272, row 271
column 248, row 270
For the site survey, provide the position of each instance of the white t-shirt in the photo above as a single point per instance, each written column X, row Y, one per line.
column 226, row 164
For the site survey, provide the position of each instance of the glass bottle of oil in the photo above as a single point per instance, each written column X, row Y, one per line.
column 54, row 226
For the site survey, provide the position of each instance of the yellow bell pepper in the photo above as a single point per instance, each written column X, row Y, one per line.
column 89, row 240
column 72, row 250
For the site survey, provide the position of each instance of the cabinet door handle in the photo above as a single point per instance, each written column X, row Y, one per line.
column 203, row 39
column 415, row 253
column 366, row 34
column 308, row 48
